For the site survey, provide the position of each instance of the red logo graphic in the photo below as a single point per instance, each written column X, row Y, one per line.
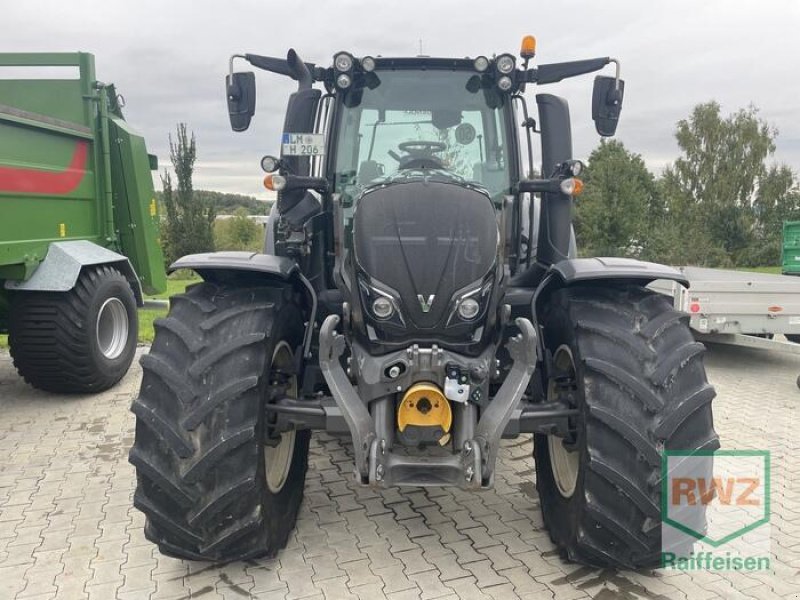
column 36, row 181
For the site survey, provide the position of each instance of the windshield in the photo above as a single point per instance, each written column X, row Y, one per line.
column 406, row 122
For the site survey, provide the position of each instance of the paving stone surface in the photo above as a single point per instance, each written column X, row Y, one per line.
column 68, row 530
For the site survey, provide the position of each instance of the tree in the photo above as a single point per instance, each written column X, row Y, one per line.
column 777, row 200
column 227, row 204
column 723, row 187
column 189, row 222
column 621, row 199
column 721, row 204
column 238, row 233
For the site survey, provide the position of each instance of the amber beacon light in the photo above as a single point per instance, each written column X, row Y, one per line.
column 528, row 47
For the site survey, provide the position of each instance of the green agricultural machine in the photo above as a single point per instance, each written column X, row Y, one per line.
column 790, row 249
column 78, row 225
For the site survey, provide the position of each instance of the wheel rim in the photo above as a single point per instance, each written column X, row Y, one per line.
column 112, row 328
column 278, row 459
column 564, row 462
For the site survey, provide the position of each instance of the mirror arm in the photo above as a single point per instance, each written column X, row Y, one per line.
column 557, row 71
column 301, row 72
column 616, row 74
column 279, row 66
column 230, row 63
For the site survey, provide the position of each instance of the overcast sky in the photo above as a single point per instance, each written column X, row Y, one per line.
column 169, row 58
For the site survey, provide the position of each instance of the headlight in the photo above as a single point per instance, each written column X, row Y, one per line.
column 470, row 304
column 382, row 307
column 368, row 64
column 468, row 309
column 481, row 64
column 504, row 83
column 505, row 63
column 270, row 164
column 343, row 61
column 575, row 167
column 343, row 81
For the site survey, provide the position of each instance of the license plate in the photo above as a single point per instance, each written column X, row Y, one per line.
column 303, row 144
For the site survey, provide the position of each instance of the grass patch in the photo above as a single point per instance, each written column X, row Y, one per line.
column 146, row 318
column 770, row 270
column 176, row 284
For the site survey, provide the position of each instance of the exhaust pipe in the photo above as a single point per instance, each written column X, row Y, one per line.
column 556, row 209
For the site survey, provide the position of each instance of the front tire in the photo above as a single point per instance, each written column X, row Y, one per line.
column 209, row 485
column 80, row 341
column 628, row 362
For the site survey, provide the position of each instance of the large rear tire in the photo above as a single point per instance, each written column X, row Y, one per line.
column 80, row 341
column 209, row 485
column 627, row 360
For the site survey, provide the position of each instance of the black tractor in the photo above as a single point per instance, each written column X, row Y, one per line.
column 420, row 293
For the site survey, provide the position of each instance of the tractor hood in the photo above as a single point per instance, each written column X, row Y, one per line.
column 425, row 241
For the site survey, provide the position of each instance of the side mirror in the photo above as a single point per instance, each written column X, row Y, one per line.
column 241, row 92
column 607, row 104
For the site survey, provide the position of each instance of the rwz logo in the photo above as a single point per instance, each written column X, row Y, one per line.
column 703, row 490
column 716, row 497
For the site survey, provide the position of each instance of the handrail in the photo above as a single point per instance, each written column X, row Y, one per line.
column 41, row 59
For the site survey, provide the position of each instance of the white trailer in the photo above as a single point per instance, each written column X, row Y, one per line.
column 739, row 307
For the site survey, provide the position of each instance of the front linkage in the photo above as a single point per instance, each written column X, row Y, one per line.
column 376, row 464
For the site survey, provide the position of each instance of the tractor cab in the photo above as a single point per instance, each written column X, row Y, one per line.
column 406, row 119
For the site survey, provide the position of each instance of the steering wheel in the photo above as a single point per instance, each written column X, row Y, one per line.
column 419, row 155
column 422, row 146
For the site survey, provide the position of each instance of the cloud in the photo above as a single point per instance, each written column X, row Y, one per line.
column 169, row 60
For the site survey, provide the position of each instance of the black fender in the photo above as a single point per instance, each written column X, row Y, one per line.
column 599, row 270
column 529, row 289
column 233, row 265
column 212, row 265
column 610, row 270
column 579, row 270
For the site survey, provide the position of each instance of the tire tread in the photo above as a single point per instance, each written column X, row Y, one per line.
column 49, row 341
column 645, row 400
column 198, row 462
